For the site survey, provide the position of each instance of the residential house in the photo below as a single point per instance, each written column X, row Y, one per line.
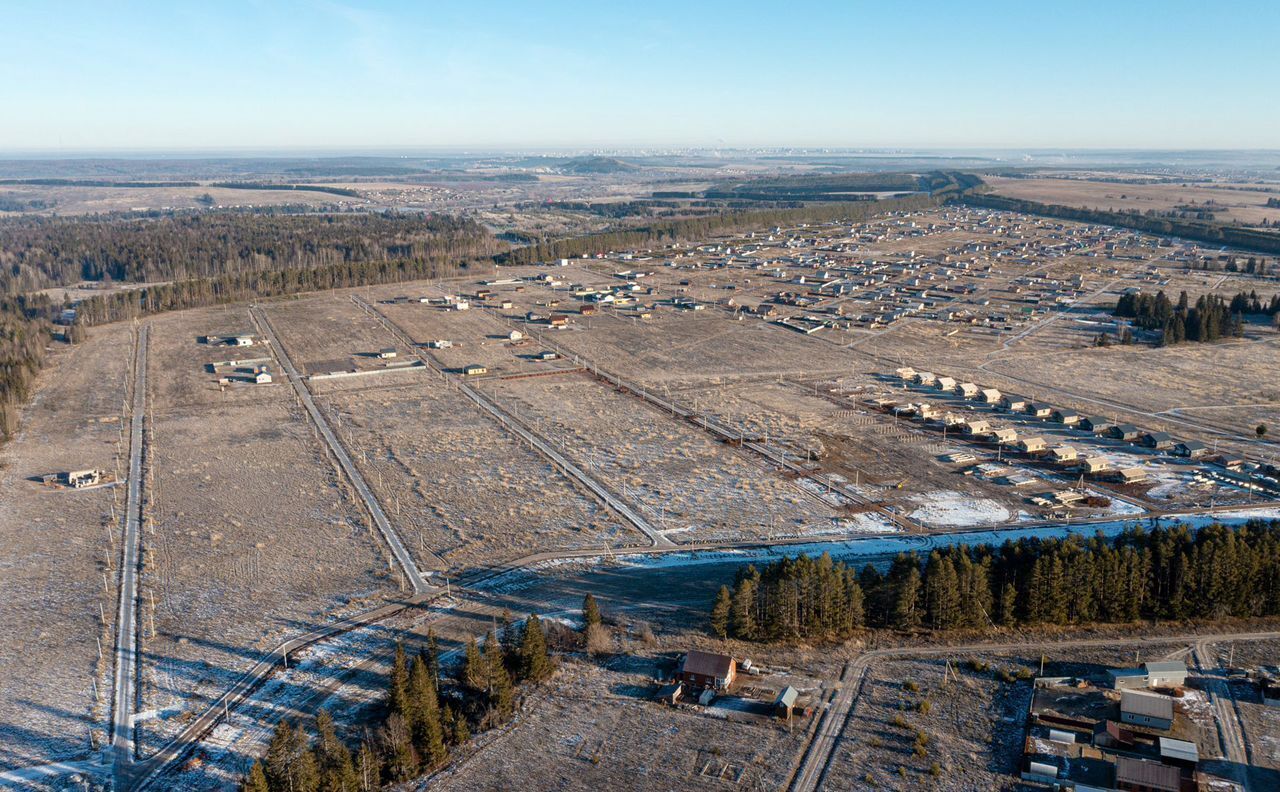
column 1159, row 441
column 1191, row 449
column 1013, row 403
column 1031, row 445
column 1126, row 432
column 1140, row 708
column 707, row 670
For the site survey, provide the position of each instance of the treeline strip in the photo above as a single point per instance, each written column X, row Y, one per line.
column 668, row 231
column 201, row 292
column 40, row 252
column 1198, row 230
column 94, row 183
column 1166, row 573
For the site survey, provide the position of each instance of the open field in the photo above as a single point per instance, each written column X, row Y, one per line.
column 696, row 488
column 456, row 484
column 58, row 574
column 1237, row 206
column 250, row 535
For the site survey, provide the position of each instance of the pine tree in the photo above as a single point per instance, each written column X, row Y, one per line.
column 255, row 780
column 290, row 765
column 590, row 612
column 420, row 691
column 459, row 733
column 535, row 662
column 720, row 612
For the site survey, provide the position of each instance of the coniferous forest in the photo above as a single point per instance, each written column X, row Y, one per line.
column 1164, row 573
column 1211, row 318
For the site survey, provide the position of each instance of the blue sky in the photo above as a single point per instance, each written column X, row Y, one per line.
column 315, row 74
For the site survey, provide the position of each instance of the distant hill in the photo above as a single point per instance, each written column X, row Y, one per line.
column 588, row 165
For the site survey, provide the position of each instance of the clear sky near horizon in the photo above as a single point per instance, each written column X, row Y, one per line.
column 316, row 74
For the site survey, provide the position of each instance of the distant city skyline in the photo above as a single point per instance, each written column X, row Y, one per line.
column 332, row 77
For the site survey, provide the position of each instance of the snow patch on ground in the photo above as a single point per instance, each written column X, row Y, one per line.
column 954, row 509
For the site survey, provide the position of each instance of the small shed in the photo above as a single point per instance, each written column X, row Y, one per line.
column 785, row 704
column 669, row 694
column 387, row 353
column 474, row 370
column 1179, row 753
column 558, row 321
column 1143, row 775
column 262, row 377
column 515, row 335
column 906, row 373
column 925, row 377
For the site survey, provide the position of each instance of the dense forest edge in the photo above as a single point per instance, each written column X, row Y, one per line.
column 1166, row 573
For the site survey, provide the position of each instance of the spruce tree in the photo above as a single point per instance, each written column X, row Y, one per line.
column 398, row 683
column 255, row 780
column 500, row 693
column 590, row 612
column 720, row 612
column 433, row 656
column 475, row 677
column 337, row 770
column 535, row 662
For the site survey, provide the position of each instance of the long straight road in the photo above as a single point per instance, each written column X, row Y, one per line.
column 516, row 426
column 126, row 649
column 402, row 556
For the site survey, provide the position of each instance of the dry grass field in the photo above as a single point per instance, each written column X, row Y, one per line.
column 1237, row 206
column 681, row 479
column 58, row 544
column 456, row 484
column 251, row 534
